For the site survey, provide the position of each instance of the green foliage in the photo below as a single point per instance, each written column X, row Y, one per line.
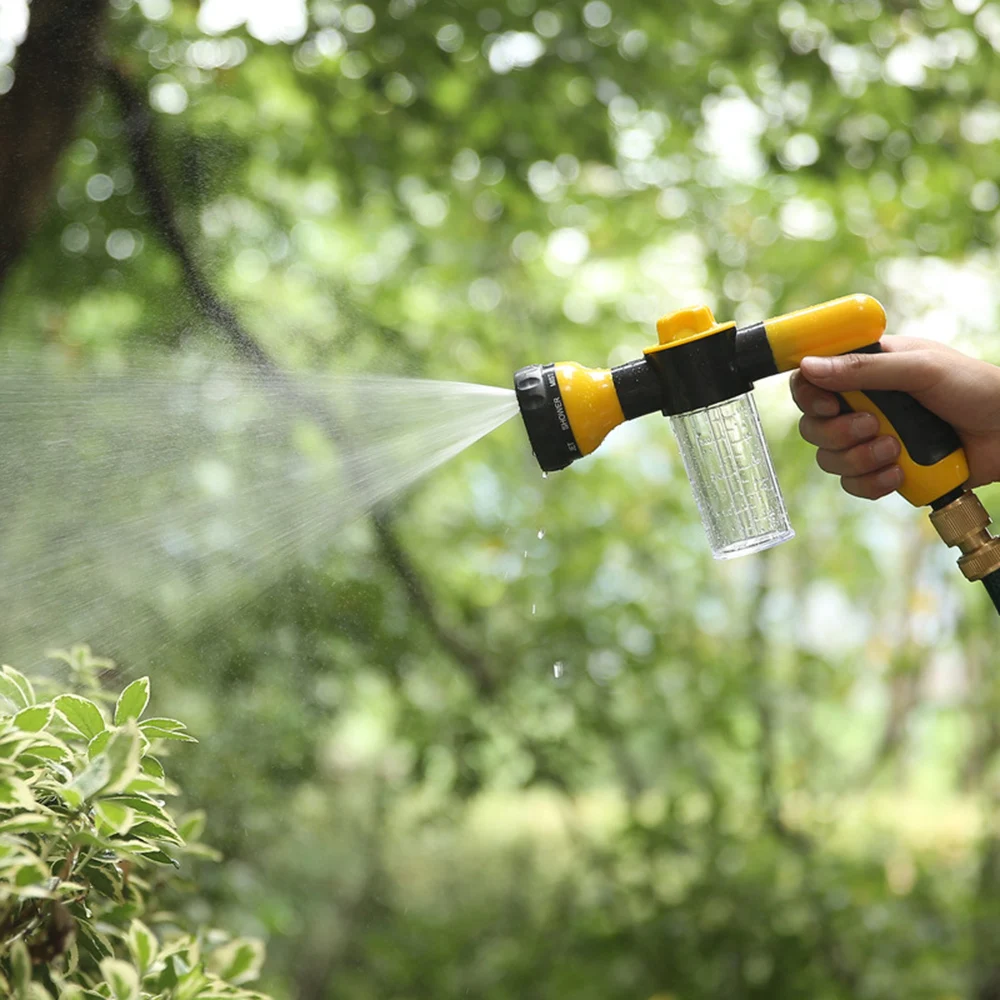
column 86, row 837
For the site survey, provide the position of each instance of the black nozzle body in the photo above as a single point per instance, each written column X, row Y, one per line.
column 544, row 415
column 547, row 420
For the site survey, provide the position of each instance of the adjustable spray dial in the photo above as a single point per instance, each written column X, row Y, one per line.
column 701, row 373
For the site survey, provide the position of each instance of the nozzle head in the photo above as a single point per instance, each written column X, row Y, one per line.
column 545, row 418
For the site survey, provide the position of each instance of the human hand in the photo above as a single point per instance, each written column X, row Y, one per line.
column 961, row 390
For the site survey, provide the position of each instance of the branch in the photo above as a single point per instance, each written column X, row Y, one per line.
column 763, row 702
column 840, row 965
column 53, row 73
column 141, row 140
column 985, row 970
column 982, row 695
column 904, row 699
column 905, row 681
column 985, row 966
column 397, row 557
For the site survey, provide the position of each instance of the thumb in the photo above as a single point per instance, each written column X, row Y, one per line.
column 908, row 371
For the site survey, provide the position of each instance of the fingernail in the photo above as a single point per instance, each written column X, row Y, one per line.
column 864, row 426
column 826, row 407
column 890, row 479
column 885, row 449
column 818, row 366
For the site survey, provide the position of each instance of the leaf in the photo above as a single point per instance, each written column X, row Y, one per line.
column 159, row 734
column 190, row 984
column 153, row 829
column 166, row 729
column 93, row 942
column 71, row 960
column 33, row 874
column 132, row 701
column 32, row 891
column 151, row 766
column 22, row 684
column 115, row 816
column 98, row 743
column 157, row 723
column 142, row 946
column 110, row 771
column 81, row 713
column 160, row 858
column 192, row 825
column 143, row 804
column 122, row 979
column 42, row 751
column 92, row 779
column 81, row 660
column 14, row 859
column 202, row 851
column 28, row 823
column 239, row 961
column 34, row 719
column 136, row 847
column 106, row 881
column 84, row 838
column 152, row 786
column 57, row 774
column 11, row 694
column 123, row 751
column 12, row 742
column 46, row 747
column 186, row 946
column 167, row 979
column 15, row 792
column 218, row 990
column 20, row 968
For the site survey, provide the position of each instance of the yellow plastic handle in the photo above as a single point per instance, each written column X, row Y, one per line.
column 830, row 328
column 931, row 455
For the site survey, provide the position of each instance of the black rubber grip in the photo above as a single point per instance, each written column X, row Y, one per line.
column 925, row 435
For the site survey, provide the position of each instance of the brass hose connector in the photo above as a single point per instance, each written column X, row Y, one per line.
column 964, row 523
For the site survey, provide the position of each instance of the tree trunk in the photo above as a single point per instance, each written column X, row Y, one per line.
column 54, row 70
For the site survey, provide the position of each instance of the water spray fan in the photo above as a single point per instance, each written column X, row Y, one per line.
column 701, row 375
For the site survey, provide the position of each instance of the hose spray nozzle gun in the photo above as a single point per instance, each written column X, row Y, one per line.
column 701, row 373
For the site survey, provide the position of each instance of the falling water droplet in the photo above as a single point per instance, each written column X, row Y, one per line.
column 532, row 608
column 557, row 669
column 545, row 475
column 525, row 553
column 541, row 534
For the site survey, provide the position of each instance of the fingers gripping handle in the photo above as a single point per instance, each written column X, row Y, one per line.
column 931, row 455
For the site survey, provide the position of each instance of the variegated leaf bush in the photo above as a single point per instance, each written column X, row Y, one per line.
column 89, row 843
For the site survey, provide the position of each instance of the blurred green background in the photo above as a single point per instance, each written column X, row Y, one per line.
column 519, row 738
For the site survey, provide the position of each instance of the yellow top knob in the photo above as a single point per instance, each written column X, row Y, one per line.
column 684, row 323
